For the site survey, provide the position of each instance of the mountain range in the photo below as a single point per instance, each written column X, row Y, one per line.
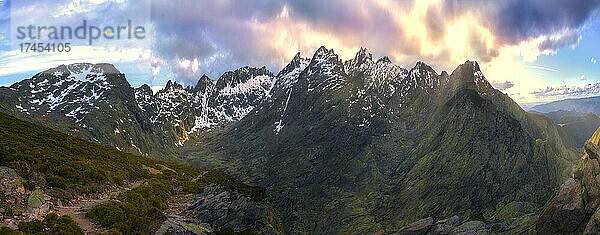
column 367, row 145
column 352, row 146
column 95, row 102
column 581, row 105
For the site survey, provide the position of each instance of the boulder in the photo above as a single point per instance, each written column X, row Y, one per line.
column 565, row 212
column 446, row 226
column 13, row 198
column 36, row 205
column 224, row 209
column 422, row 226
column 471, row 227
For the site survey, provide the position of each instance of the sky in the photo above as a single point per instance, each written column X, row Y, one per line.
column 533, row 50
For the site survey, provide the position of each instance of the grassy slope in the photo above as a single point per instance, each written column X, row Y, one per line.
column 67, row 166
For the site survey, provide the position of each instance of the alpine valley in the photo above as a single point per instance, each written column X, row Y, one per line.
column 352, row 147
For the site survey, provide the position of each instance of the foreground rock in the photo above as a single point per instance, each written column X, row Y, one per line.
column 428, row 226
column 420, row 227
column 565, row 212
column 575, row 208
column 218, row 210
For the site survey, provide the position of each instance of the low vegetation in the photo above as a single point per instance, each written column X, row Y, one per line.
column 71, row 166
column 51, row 224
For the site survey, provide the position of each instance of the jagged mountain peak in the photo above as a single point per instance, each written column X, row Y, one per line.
column 297, row 63
column 362, row 57
column 323, row 54
column 298, row 56
column 203, row 85
column 244, row 75
column 172, row 85
column 204, row 80
column 289, row 74
column 422, row 65
column 384, row 59
column 469, row 65
column 470, row 76
column 144, row 88
column 363, row 54
column 248, row 69
column 422, row 70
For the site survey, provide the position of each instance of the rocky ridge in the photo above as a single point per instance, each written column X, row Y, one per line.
column 575, row 207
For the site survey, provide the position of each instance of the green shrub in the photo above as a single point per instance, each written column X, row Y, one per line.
column 107, row 214
column 56, row 181
column 61, row 225
column 139, row 211
column 8, row 231
column 68, row 173
column 52, row 224
column 31, row 227
column 29, row 185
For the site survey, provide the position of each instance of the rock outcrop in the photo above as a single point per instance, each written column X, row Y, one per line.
column 12, row 196
column 575, row 208
column 219, row 210
column 428, row 226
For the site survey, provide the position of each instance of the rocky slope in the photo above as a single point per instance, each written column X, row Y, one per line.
column 364, row 145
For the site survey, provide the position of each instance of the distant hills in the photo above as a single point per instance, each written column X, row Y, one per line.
column 577, row 127
column 581, row 105
column 578, row 118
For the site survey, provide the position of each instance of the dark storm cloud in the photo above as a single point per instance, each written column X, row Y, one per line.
column 571, row 38
column 520, row 20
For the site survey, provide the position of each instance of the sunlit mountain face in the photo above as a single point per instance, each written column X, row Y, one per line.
column 285, row 117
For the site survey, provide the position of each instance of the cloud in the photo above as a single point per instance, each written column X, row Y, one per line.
column 566, row 90
column 14, row 62
column 543, row 68
column 502, row 85
column 222, row 35
column 520, row 20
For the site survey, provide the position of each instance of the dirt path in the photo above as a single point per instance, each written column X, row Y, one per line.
column 77, row 211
